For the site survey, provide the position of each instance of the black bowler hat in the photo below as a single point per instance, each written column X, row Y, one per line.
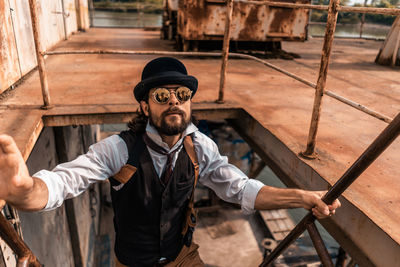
column 163, row 71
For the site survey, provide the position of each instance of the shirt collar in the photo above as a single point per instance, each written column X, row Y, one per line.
column 155, row 136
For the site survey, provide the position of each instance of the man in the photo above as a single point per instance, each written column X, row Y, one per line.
column 153, row 168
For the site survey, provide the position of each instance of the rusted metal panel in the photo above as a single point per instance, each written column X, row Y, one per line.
column 17, row 54
column 23, row 34
column 9, row 65
column 205, row 20
column 50, row 23
column 70, row 19
column 82, row 13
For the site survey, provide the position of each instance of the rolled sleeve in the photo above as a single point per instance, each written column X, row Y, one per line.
column 54, row 198
column 250, row 193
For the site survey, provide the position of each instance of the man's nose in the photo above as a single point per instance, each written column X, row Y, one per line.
column 173, row 101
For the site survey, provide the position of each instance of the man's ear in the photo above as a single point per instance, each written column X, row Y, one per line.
column 145, row 107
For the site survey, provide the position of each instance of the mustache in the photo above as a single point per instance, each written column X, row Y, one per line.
column 173, row 110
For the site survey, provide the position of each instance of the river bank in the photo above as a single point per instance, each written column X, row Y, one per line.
column 147, row 7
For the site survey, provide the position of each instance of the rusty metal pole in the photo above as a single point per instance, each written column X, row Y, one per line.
column 14, row 241
column 91, row 12
column 396, row 49
column 225, row 50
column 64, row 17
column 363, row 20
column 319, row 245
column 39, row 55
column 385, row 138
column 323, row 71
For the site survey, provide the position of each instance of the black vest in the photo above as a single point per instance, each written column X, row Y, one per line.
column 148, row 217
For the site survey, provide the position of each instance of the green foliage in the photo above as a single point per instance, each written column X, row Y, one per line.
column 353, row 18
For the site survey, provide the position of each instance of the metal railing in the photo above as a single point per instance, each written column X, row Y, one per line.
column 26, row 258
column 333, row 10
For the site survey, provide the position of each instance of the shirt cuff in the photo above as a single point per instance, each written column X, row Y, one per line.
column 250, row 194
column 52, row 200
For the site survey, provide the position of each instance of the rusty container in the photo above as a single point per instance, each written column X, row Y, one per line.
column 201, row 20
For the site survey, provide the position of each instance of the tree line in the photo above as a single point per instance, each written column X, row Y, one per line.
column 354, row 18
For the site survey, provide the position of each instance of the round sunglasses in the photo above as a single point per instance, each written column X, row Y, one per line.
column 161, row 95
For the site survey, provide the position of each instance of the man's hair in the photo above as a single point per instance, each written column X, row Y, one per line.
column 138, row 123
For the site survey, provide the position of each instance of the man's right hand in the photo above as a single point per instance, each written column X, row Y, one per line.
column 16, row 185
column 14, row 176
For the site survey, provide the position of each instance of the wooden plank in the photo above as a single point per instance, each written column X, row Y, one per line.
column 24, row 125
column 279, row 222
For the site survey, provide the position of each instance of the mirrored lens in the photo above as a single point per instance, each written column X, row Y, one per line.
column 161, row 95
column 183, row 94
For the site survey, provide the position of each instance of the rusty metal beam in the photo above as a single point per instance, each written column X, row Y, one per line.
column 353, row 229
column 342, row 99
column 385, row 138
column 39, row 55
column 14, row 241
column 323, row 73
column 370, row 10
column 225, row 50
column 319, row 245
column 84, row 115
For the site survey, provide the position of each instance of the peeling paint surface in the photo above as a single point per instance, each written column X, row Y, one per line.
column 23, row 34
column 205, row 20
column 17, row 49
column 9, row 65
column 70, row 10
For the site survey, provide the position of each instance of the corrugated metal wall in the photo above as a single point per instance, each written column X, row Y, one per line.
column 17, row 52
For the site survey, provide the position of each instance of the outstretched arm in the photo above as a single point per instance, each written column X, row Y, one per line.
column 281, row 198
column 17, row 187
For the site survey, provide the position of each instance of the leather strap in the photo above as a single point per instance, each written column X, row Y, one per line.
column 191, row 215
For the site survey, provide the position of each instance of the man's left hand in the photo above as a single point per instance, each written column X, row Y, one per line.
column 313, row 202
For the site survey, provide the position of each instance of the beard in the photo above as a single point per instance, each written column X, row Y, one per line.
column 170, row 128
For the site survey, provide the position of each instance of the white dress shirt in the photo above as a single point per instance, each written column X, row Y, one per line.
column 105, row 158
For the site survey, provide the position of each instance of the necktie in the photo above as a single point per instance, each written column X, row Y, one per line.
column 167, row 174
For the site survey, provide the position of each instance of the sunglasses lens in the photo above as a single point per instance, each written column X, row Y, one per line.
column 183, row 94
column 161, row 95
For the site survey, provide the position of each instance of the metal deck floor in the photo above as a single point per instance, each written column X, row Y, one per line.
column 96, row 85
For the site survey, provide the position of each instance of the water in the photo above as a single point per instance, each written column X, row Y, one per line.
column 126, row 19
column 373, row 31
column 134, row 19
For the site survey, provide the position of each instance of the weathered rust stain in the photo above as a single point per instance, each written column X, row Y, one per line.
column 251, row 25
column 9, row 72
column 202, row 20
column 283, row 21
column 192, row 14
